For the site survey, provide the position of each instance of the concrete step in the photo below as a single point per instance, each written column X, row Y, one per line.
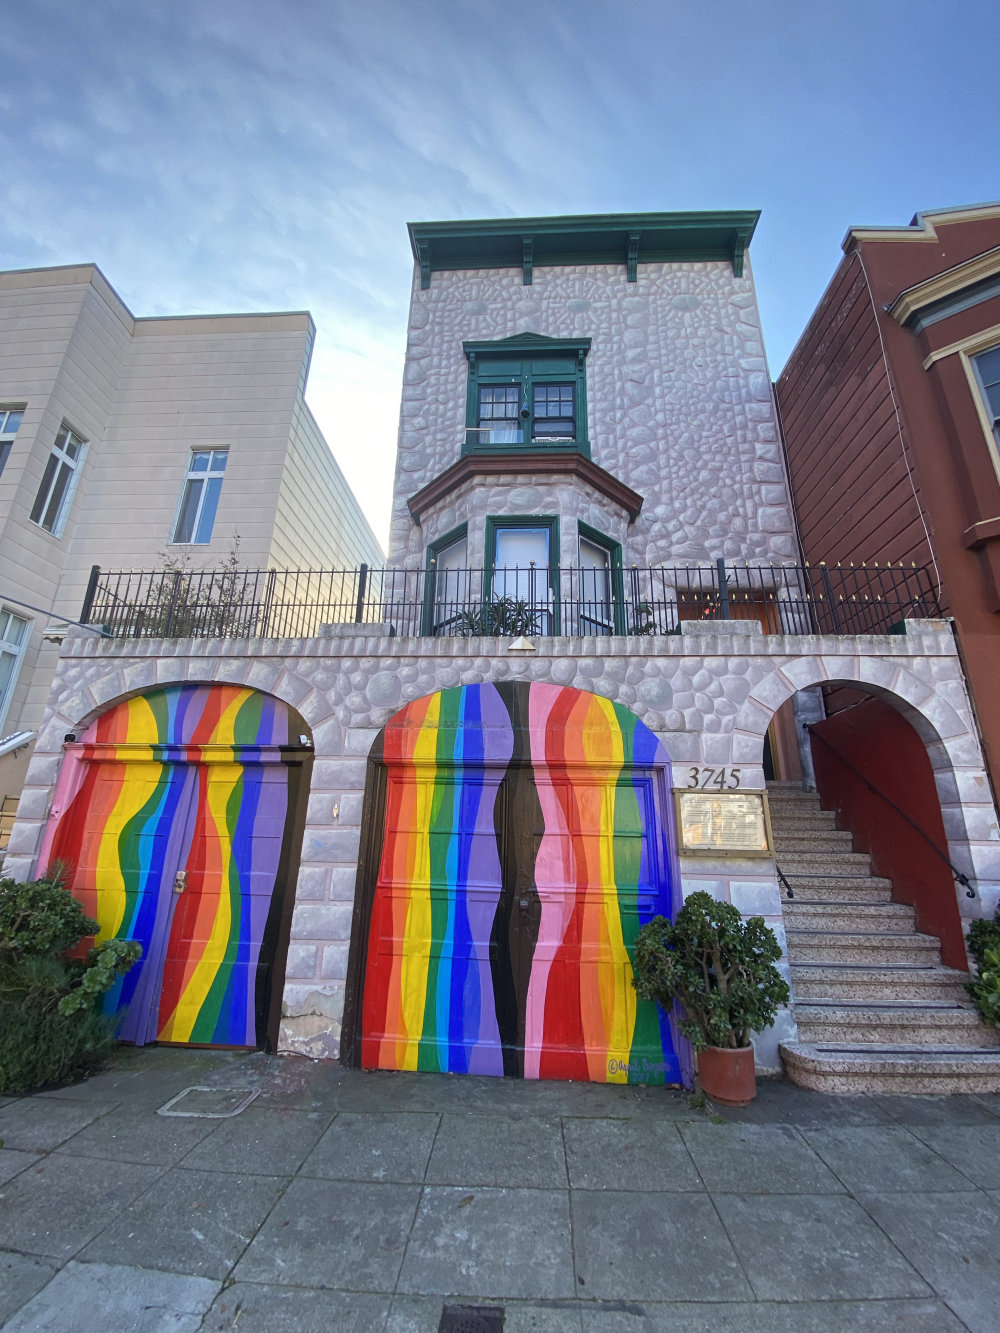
column 829, row 841
column 833, row 1067
column 859, row 946
column 802, row 862
column 849, row 889
column 877, row 982
column 829, row 914
column 895, row 1023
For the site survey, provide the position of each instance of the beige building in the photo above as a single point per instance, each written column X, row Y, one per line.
column 126, row 441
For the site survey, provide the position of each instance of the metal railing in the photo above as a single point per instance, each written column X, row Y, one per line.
column 535, row 600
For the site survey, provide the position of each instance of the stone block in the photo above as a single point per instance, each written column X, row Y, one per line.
column 321, row 921
column 334, row 846
column 335, row 958
column 312, row 883
column 343, row 880
column 301, row 962
column 756, row 897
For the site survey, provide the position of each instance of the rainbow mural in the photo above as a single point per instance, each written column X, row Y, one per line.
column 186, row 779
column 526, row 839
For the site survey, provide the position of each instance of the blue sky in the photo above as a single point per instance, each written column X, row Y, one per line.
column 217, row 155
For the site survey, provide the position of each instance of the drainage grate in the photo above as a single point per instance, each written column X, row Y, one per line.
column 471, row 1319
column 209, row 1103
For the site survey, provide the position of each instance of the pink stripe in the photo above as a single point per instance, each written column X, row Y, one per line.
column 551, row 871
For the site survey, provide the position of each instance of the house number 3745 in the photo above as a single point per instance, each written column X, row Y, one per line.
column 726, row 779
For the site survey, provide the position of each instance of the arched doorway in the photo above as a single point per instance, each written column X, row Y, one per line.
column 516, row 836
column 178, row 816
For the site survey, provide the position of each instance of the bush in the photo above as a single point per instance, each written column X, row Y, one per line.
column 718, row 965
column 505, row 617
column 51, row 1029
column 984, row 945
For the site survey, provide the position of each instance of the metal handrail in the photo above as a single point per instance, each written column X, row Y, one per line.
column 959, row 875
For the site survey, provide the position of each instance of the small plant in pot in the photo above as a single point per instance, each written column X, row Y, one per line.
column 721, row 967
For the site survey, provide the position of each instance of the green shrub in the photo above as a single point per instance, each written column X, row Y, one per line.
column 984, row 945
column 51, row 1029
column 504, row 617
column 718, row 965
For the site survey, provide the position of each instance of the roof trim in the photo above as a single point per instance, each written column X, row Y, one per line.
column 628, row 239
column 922, row 226
column 942, row 285
column 565, row 464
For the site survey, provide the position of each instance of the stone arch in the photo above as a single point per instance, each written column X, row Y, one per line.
column 949, row 737
column 179, row 811
column 515, row 836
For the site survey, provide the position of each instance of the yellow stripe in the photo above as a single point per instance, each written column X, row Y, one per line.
column 222, row 781
column 417, row 934
column 181, row 1024
column 137, row 787
column 617, row 996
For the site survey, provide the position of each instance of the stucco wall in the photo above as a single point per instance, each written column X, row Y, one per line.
column 678, row 396
column 708, row 693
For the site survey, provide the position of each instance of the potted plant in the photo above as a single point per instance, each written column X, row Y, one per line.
column 722, row 970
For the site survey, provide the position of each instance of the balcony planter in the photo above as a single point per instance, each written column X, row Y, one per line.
column 721, row 968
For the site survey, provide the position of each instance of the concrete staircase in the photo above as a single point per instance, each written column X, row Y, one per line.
column 876, row 1009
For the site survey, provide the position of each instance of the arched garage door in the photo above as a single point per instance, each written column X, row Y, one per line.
column 517, row 836
column 176, row 816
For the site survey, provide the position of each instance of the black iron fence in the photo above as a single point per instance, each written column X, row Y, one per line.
column 271, row 603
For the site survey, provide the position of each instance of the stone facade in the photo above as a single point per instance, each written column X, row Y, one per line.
column 678, row 397
column 709, row 693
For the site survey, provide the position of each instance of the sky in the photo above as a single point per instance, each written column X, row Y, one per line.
column 242, row 155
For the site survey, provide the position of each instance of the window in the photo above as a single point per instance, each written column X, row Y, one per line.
column 600, row 596
column 527, row 392
column 62, row 471
column 448, row 588
column 988, row 373
column 13, row 642
column 10, row 419
column 520, row 572
column 200, row 497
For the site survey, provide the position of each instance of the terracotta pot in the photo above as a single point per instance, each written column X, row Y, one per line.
column 727, row 1074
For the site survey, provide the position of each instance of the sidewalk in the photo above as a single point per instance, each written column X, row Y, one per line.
column 347, row 1202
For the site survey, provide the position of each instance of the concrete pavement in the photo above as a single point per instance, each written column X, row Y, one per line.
column 355, row 1202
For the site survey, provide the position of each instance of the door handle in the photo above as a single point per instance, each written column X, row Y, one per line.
column 180, row 881
column 523, row 903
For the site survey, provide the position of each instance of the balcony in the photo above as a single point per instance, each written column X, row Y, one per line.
column 638, row 603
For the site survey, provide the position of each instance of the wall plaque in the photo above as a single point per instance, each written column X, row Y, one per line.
column 731, row 823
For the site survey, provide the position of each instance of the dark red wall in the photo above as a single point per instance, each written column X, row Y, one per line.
column 886, row 749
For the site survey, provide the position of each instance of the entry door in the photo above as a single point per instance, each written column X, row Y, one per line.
column 521, row 571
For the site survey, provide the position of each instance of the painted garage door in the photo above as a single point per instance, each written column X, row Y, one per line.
column 519, row 836
column 172, row 813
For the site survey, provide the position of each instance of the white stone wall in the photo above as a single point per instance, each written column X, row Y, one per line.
column 709, row 694
column 678, row 396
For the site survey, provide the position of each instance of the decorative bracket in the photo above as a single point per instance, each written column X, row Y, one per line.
column 740, row 241
column 632, row 259
column 424, row 251
column 527, row 259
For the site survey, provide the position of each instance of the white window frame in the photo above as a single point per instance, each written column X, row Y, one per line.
column 17, row 652
column 191, row 475
column 7, row 435
column 991, row 416
column 63, row 459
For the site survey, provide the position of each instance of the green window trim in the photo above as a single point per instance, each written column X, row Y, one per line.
column 434, row 548
column 501, row 521
column 614, row 550
column 528, row 361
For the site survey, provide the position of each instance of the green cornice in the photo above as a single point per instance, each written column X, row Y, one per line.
column 629, row 239
column 527, row 343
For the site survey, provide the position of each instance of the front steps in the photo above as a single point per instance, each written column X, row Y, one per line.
column 876, row 1009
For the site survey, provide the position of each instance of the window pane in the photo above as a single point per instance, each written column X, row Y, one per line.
column 54, row 505
column 12, row 629
column 38, row 508
column 219, row 459
column 7, row 664
column 200, row 461
column 9, row 421
column 5, row 448
column 988, row 366
column 189, row 508
column 209, row 505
